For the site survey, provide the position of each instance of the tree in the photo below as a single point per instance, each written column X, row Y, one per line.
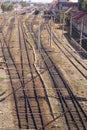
column 23, row 3
column 83, row 5
column 6, row 7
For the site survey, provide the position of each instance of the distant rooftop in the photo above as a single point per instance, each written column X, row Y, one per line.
column 79, row 15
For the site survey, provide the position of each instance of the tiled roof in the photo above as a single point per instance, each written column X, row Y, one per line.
column 53, row 3
column 79, row 15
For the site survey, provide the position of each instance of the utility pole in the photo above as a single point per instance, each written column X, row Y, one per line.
column 71, row 26
column 51, row 32
column 81, row 32
column 63, row 25
column 60, row 18
column 39, row 37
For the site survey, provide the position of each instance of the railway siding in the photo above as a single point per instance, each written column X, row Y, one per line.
column 48, row 83
column 47, row 63
column 77, row 81
column 45, row 81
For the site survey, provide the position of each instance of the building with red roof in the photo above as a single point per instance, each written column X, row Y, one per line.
column 77, row 20
column 79, row 15
column 63, row 5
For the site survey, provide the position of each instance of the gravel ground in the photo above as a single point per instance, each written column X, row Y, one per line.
column 77, row 82
column 6, row 117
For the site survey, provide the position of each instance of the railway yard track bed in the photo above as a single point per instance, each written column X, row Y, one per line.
column 47, row 89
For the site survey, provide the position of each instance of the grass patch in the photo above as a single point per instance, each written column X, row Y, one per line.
column 0, row 89
column 0, row 64
column 24, row 124
column 79, row 83
column 2, row 79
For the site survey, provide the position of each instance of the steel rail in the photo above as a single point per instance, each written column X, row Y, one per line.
column 29, row 64
column 74, row 100
column 19, row 77
column 15, row 99
column 70, row 59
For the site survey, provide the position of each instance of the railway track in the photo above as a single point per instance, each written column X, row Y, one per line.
column 9, row 60
column 19, row 104
column 10, row 29
column 75, row 62
column 76, row 118
column 37, row 87
column 25, row 59
column 32, row 106
column 31, row 99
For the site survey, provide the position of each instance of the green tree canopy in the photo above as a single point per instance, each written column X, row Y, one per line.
column 23, row 3
column 6, row 7
column 83, row 5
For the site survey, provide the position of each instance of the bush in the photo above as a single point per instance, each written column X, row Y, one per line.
column 23, row 4
column 6, row 7
column 83, row 5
